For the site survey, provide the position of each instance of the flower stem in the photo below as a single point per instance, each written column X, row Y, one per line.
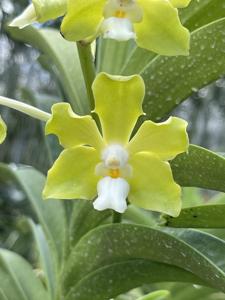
column 88, row 68
column 117, row 217
column 25, row 108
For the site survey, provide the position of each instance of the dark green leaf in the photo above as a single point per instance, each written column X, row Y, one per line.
column 45, row 258
column 117, row 278
column 112, row 244
column 200, row 168
column 65, row 57
column 204, row 216
column 84, row 218
column 50, row 213
column 18, row 280
column 170, row 80
column 157, row 295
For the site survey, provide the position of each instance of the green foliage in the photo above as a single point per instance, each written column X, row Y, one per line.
column 64, row 55
column 200, row 168
column 81, row 255
column 205, row 216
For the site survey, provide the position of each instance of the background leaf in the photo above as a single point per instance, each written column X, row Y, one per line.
column 18, row 280
column 112, row 244
column 170, row 80
column 65, row 57
column 49, row 213
column 204, row 216
column 200, row 168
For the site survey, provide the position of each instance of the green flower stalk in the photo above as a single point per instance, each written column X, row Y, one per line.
column 154, row 24
column 111, row 167
column 22, row 107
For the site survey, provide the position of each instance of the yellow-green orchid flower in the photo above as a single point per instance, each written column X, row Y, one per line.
column 154, row 24
column 40, row 11
column 112, row 165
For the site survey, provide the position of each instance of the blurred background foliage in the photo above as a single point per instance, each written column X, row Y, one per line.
column 23, row 78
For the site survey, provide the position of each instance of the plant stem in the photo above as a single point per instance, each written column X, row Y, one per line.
column 117, row 217
column 88, row 68
column 25, row 108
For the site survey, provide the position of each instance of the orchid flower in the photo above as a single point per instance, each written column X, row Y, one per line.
column 40, row 11
column 154, row 24
column 111, row 165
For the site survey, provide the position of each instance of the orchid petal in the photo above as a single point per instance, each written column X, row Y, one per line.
column 83, row 19
column 166, row 139
column 180, row 3
column 160, row 30
column 71, row 129
column 118, row 104
column 152, row 185
column 3, row 130
column 73, row 175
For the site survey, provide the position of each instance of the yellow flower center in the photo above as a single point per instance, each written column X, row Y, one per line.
column 114, row 173
column 120, row 14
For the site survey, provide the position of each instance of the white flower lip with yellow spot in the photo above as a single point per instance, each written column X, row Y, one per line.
column 119, row 16
column 113, row 189
column 110, row 168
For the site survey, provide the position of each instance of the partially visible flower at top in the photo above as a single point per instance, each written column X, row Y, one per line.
column 112, row 165
column 154, row 24
column 40, row 11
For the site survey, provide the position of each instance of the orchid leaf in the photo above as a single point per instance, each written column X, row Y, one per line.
column 18, row 280
column 205, row 64
column 199, row 168
column 65, row 57
column 45, row 258
column 157, row 295
column 120, row 277
column 204, row 216
column 84, row 213
column 107, row 247
column 50, row 214
column 197, row 14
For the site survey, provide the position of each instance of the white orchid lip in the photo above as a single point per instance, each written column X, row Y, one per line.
column 118, row 29
column 119, row 16
column 112, row 194
column 113, row 188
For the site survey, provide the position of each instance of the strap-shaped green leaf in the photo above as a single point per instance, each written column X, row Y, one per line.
column 84, row 218
column 65, row 57
column 50, row 214
column 199, row 13
column 204, row 216
column 117, row 278
column 157, row 295
column 170, row 80
column 111, row 244
column 18, row 280
column 199, row 168
column 45, row 258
